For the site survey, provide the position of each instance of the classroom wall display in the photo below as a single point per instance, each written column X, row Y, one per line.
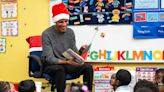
column 115, row 44
column 148, row 19
column 9, row 28
column 102, row 76
column 9, row 10
column 147, row 73
column 2, row 45
column 126, row 56
column 86, row 12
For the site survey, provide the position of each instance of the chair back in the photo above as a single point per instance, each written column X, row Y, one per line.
column 34, row 67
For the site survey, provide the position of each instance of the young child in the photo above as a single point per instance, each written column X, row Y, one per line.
column 26, row 86
column 159, row 76
column 143, row 89
column 4, row 87
column 146, row 84
column 113, row 82
column 123, row 79
column 76, row 87
column 7, row 87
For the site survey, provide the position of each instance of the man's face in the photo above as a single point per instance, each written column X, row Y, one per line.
column 61, row 25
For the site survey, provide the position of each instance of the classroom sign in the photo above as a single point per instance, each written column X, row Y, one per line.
column 148, row 19
column 9, row 28
column 102, row 76
column 9, row 10
column 147, row 73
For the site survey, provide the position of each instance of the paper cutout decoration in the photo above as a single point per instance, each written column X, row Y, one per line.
column 89, row 12
column 10, row 28
column 148, row 19
column 2, row 45
column 9, row 10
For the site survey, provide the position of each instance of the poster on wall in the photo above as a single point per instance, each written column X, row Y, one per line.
column 9, row 28
column 8, row 0
column 147, row 73
column 148, row 19
column 102, row 76
column 162, row 4
column 2, row 45
column 86, row 12
column 9, row 10
column 146, row 4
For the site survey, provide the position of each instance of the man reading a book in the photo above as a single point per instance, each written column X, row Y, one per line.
column 55, row 41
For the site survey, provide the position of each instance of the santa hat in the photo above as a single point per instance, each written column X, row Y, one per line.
column 59, row 12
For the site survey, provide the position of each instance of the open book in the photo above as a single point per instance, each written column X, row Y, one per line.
column 70, row 54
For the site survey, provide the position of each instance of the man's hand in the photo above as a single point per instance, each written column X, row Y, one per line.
column 72, row 62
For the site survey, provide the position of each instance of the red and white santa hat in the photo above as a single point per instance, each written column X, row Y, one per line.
column 59, row 12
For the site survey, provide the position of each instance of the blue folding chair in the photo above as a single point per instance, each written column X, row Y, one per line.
column 36, row 67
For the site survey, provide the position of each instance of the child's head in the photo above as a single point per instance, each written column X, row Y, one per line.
column 143, row 89
column 4, row 87
column 146, row 84
column 123, row 77
column 113, row 80
column 78, row 87
column 26, row 86
column 159, row 76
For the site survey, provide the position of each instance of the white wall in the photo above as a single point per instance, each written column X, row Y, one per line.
column 117, row 37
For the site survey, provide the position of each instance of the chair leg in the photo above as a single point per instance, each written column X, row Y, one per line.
column 52, row 88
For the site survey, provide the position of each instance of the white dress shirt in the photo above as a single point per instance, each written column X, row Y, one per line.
column 123, row 89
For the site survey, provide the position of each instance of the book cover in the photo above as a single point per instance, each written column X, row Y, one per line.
column 70, row 54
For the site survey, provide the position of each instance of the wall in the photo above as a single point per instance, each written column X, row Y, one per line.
column 33, row 17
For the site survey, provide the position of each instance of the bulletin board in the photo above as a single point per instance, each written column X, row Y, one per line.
column 94, row 12
column 148, row 19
